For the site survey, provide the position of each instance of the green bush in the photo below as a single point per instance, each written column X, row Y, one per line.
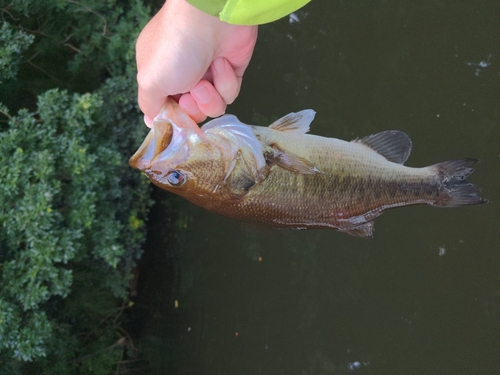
column 72, row 212
column 12, row 44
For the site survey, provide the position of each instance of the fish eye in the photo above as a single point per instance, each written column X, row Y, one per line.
column 176, row 178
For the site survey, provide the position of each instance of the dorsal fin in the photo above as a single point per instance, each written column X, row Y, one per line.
column 394, row 145
column 364, row 230
column 297, row 123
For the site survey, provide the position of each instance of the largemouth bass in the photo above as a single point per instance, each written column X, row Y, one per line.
column 283, row 177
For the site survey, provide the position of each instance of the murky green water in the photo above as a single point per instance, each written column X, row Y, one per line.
column 422, row 297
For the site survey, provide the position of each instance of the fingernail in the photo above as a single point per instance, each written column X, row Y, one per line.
column 201, row 94
column 148, row 121
column 219, row 65
column 189, row 106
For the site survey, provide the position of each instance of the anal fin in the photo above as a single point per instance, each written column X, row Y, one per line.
column 394, row 145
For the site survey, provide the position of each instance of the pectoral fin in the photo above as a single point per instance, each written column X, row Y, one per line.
column 288, row 160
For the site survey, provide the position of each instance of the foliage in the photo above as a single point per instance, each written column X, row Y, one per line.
column 12, row 44
column 72, row 218
column 76, row 44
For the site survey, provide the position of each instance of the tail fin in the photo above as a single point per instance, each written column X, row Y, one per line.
column 456, row 190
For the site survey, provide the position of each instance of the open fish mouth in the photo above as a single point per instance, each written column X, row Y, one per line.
column 158, row 140
column 166, row 141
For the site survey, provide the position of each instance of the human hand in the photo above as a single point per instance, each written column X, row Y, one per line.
column 197, row 58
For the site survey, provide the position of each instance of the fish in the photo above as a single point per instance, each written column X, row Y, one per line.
column 282, row 177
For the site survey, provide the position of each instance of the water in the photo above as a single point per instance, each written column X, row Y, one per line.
column 422, row 297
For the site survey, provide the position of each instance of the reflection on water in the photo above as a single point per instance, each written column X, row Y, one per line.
column 422, row 297
column 481, row 65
